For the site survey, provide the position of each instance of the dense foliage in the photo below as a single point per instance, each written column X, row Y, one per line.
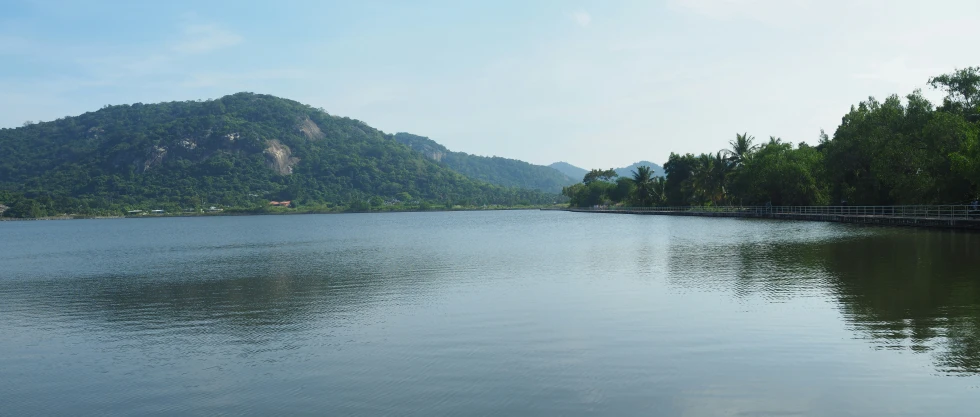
column 604, row 187
column 883, row 153
column 239, row 151
column 495, row 170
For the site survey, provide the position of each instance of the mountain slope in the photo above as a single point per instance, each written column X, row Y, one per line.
column 579, row 173
column 657, row 170
column 570, row 170
column 495, row 170
column 240, row 150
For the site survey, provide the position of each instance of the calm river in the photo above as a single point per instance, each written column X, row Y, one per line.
column 516, row 313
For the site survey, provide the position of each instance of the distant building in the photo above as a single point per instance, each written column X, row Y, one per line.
column 157, row 211
column 214, row 209
column 280, row 203
column 134, row 212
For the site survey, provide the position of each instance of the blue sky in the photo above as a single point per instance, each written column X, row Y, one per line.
column 597, row 84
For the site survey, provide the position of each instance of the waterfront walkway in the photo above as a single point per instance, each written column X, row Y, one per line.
column 947, row 217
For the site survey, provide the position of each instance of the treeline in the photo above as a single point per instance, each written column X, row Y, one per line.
column 884, row 153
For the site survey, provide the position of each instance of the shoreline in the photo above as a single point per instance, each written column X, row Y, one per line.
column 228, row 214
column 961, row 224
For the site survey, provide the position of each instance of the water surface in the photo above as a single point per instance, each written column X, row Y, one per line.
column 486, row 313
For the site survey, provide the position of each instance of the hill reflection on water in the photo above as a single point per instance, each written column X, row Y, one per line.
column 430, row 311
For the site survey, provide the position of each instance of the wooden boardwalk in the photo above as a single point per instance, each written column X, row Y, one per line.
column 965, row 220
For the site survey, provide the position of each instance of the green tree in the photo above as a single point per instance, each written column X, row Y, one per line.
column 782, row 175
column 600, row 175
column 709, row 178
column 741, row 148
column 624, row 190
column 962, row 88
column 678, row 190
column 591, row 194
column 643, row 183
column 26, row 208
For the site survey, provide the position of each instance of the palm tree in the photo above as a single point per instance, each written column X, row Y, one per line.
column 702, row 178
column 721, row 170
column 710, row 176
column 659, row 191
column 643, row 179
column 742, row 148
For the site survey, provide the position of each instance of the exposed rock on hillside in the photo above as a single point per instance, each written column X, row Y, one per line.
column 154, row 157
column 279, row 157
column 310, row 129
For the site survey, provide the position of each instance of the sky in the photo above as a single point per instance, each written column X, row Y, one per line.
column 597, row 84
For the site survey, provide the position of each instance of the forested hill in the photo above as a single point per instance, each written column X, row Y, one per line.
column 570, row 170
column 579, row 173
column 655, row 170
column 240, row 150
column 495, row 170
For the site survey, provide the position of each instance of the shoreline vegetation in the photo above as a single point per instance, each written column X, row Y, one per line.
column 282, row 212
column 884, row 153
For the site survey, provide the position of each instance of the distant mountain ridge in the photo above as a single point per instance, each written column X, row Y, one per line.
column 570, row 170
column 492, row 169
column 578, row 173
column 658, row 171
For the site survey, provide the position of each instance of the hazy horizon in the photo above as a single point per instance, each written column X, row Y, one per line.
column 594, row 84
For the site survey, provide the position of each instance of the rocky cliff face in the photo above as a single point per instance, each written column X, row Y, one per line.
column 279, row 158
column 434, row 155
column 310, row 129
column 154, row 157
column 423, row 145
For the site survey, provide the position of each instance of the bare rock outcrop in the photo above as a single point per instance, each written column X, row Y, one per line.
column 279, row 158
column 310, row 129
column 154, row 157
column 435, row 155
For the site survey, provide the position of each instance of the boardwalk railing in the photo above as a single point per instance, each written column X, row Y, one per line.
column 933, row 212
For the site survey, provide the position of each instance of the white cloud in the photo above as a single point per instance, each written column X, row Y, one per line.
column 582, row 18
column 199, row 39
